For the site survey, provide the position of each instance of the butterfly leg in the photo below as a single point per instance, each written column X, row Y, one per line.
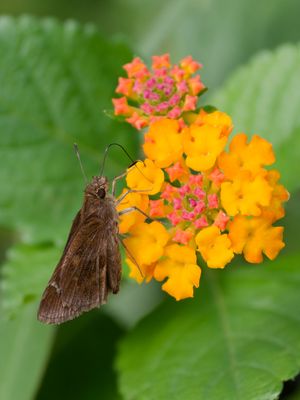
column 133, row 208
column 121, row 198
column 114, row 181
column 131, row 257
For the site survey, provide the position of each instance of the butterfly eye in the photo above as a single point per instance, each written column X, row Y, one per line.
column 101, row 193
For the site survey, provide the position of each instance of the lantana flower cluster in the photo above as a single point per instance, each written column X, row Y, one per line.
column 164, row 91
column 205, row 195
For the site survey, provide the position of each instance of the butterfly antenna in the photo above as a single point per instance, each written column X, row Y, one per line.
column 133, row 162
column 76, row 149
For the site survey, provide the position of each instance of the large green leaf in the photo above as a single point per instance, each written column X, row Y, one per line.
column 239, row 339
column 221, row 34
column 56, row 80
column 24, row 349
column 263, row 97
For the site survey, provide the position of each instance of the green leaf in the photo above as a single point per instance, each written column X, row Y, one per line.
column 56, row 79
column 24, row 349
column 213, row 31
column 263, row 97
column 238, row 339
column 81, row 364
column 25, row 274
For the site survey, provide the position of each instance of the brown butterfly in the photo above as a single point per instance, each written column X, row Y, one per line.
column 90, row 266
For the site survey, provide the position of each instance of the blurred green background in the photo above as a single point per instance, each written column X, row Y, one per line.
column 221, row 34
column 77, row 361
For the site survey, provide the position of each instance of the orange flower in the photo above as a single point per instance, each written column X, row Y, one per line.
column 151, row 238
column 216, row 119
column 246, row 157
column 145, row 177
column 202, row 145
column 129, row 219
column 254, row 236
column 181, row 269
column 140, row 272
column 163, row 142
column 178, row 171
column 246, row 196
column 275, row 209
column 215, row 248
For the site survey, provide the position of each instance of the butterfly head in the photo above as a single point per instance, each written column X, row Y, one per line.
column 98, row 187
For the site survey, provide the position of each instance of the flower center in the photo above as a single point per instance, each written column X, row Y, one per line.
column 161, row 94
column 193, row 206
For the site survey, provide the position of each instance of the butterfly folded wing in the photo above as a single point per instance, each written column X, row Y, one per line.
column 79, row 282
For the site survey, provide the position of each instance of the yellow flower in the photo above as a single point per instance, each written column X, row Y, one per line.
column 145, row 176
column 202, row 145
column 163, row 142
column 146, row 242
column 127, row 220
column 181, row 269
column 140, row 272
column 214, row 247
column 254, row 236
column 246, row 157
column 217, row 119
column 246, row 196
column 275, row 209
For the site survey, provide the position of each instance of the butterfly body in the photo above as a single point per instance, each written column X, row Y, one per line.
column 90, row 266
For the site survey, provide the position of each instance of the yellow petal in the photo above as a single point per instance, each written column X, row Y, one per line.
column 179, row 266
column 245, row 156
column 146, row 242
column 255, row 236
column 202, row 145
column 215, row 248
column 246, row 196
column 163, row 142
column 140, row 272
column 146, row 177
column 127, row 220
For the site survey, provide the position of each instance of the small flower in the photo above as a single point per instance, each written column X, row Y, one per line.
column 178, row 171
column 215, row 248
column 164, row 91
column 136, row 120
column 246, row 196
column 136, row 68
column 243, row 157
column 157, row 208
column 140, row 272
column 216, row 119
column 125, row 87
column 145, row 177
column 151, row 237
column 202, row 145
column 133, row 217
column 121, row 106
column 181, row 269
column 163, row 142
column 255, row 236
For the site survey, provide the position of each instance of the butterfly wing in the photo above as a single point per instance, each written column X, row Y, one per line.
column 80, row 281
